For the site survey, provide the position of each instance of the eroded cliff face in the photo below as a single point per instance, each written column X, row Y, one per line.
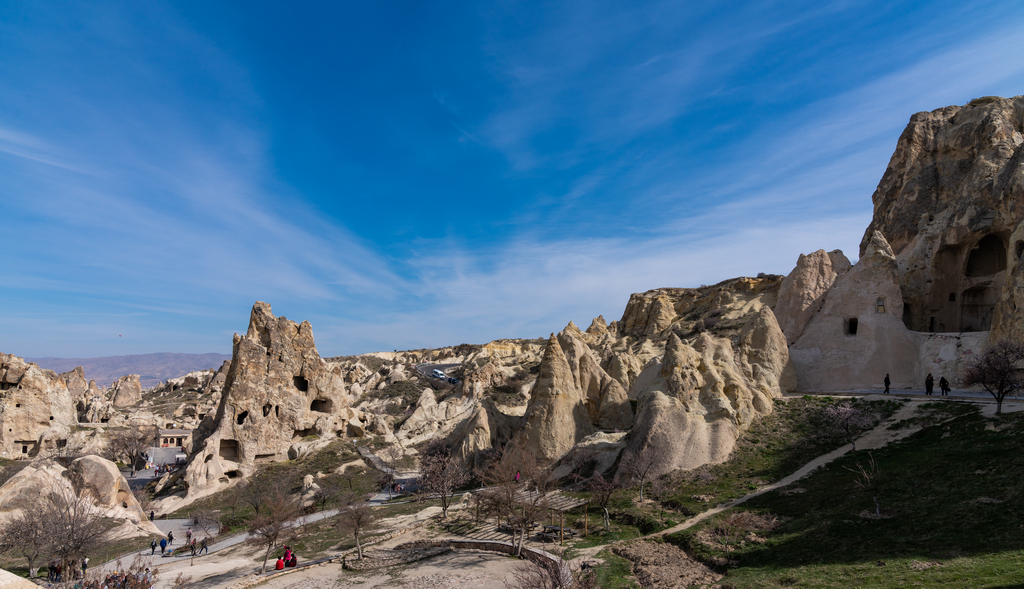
column 278, row 392
column 694, row 402
column 36, row 408
column 949, row 204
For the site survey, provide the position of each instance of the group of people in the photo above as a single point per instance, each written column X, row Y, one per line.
column 56, row 570
column 190, row 544
column 287, row 560
column 929, row 385
column 119, row 580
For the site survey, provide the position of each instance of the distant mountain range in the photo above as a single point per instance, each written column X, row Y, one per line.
column 151, row 368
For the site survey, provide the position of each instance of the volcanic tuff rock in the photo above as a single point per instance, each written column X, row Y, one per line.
column 278, row 391
column 693, row 404
column 126, row 391
column 726, row 305
column 803, row 290
column 36, row 408
column 948, row 203
column 858, row 335
column 486, row 429
column 90, row 476
column 604, row 397
column 557, row 416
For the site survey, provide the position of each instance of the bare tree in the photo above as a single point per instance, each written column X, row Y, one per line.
column 868, row 478
column 390, row 457
column 273, row 524
column 518, row 489
column 75, row 523
column 131, row 443
column 260, row 488
column 602, row 490
column 641, row 465
column 355, row 518
column 847, row 420
column 27, row 535
column 331, row 489
column 441, row 474
column 996, row 370
column 548, row 574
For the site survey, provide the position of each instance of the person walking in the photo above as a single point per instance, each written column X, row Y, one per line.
column 188, row 535
column 929, row 384
column 163, row 546
column 887, row 383
column 153, row 546
column 203, row 546
column 170, row 536
column 944, row 386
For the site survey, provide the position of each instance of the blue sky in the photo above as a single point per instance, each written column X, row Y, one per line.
column 422, row 174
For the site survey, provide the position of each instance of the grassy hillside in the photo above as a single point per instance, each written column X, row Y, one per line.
column 951, row 499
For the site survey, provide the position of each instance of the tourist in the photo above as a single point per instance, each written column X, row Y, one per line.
column 203, row 547
column 188, row 535
column 944, row 386
column 152, row 545
column 163, row 545
column 170, row 537
column 929, row 384
column 280, row 564
column 887, row 383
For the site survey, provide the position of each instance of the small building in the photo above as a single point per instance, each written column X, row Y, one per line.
column 172, row 438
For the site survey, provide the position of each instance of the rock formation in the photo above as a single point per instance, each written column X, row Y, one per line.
column 948, row 205
column 36, row 409
column 91, row 476
column 858, row 335
column 803, row 290
column 556, row 417
column 126, row 391
column 278, row 392
column 695, row 401
column 486, row 429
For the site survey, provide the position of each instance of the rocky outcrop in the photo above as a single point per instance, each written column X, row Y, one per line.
column 803, row 290
column 948, row 205
column 278, row 393
column 126, row 391
column 724, row 306
column 623, row 367
column 432, row 420
column 556, row 417
column 1008, row 314
column 486, row 429
column 604, row 397
column 692, row 404
column 36, row 409
column 858, row 335
column 88, row 476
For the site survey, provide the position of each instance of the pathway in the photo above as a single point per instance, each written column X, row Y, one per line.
column 878, row 437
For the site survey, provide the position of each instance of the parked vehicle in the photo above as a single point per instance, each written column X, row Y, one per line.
column 438, row 374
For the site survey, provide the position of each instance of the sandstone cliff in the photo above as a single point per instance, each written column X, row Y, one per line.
column 279, row 396
column 36, row 408
column 948, row 204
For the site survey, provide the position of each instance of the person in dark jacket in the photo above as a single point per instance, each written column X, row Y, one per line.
column 153, row 546
column 163, row 545
column 944, row 386
column 887, row 383
column 929, row 384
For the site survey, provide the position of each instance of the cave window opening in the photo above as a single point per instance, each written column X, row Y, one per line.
column 931, row 325
column 17, row 404
column 4, row 386
column 62, row 443
column 241, row 417
column 301, row 383
column 1019, row 248
column 851, row 326
column 266, row 409
column 51, row 418
column 228, row 449
column 880, row 306
column 321, row 405
column 277, row 411
column 24, row 449
column 989, row 257
column 952, row 297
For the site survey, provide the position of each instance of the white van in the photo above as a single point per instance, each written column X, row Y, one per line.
column 438, row 373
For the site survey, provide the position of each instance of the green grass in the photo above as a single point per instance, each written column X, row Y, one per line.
column 929, row 489
column 615, row 573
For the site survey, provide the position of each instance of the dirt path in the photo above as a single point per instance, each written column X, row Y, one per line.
column 876, row 438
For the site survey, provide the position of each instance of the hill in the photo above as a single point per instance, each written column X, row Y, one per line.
column 151, row 368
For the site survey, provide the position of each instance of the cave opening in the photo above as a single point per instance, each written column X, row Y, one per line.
column 241, row 417
column 301, row 383
column 321, row 405
column 987, row 258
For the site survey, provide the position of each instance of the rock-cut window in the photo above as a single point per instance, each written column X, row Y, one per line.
column 851, row 326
